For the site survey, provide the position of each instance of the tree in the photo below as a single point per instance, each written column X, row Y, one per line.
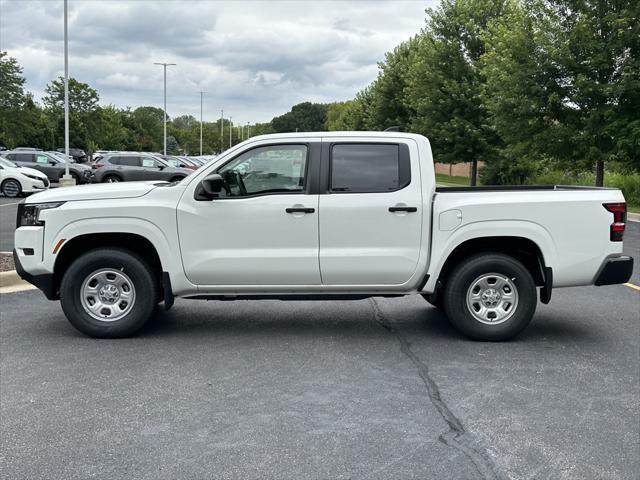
column 146, row 129
column 389, row 105
column 12, row 99
column 563, row 83
column 303, row 117
column 82, row 98
column 445, row 81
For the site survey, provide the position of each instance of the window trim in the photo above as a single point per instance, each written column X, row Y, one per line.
column 309, row 182
column 404, row 163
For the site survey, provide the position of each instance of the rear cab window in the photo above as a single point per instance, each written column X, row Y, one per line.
column 369, row 167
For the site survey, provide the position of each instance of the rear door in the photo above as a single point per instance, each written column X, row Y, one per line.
column 370, row 220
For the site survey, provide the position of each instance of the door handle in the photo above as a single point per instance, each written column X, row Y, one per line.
column 403, row 209
column 300, row 210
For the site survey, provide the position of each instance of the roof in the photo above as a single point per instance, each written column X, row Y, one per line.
column 350, row 134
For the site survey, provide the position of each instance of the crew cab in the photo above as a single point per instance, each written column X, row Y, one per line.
column 332, row 215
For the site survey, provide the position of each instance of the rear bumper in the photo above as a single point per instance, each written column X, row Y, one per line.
column 615, row 270
column 44, row 281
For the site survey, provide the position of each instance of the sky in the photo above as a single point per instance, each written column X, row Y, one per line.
column 255, row 59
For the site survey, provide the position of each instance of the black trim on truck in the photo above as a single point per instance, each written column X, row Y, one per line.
column 615, row 270
column 545, row 291
column 44, row 281
column 516, row 188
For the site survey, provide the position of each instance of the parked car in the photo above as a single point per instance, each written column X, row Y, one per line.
column 124, row 167
column 78, row 155
column 177, row 162
column 53, row 167
column 16, row 180
column 319, row 215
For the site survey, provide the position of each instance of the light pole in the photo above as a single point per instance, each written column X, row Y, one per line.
column 248, row 130
column 66, row 180
column 201, row 94
column 230, row 130
column 221, row 130
column 165, row 65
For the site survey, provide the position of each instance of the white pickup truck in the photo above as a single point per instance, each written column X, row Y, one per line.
column 318, row 216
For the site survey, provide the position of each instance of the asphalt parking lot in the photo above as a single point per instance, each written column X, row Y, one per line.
column 364, row 389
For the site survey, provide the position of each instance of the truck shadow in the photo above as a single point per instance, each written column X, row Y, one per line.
column 340, row 318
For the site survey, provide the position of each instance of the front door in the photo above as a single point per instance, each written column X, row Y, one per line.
column 371, row 217
column 263, row 229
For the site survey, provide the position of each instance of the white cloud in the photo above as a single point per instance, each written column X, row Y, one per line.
column 254, row 58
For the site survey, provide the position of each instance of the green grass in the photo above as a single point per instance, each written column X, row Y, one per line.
column 447, row 181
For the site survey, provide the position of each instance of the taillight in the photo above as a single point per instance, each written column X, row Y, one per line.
column 619, row 211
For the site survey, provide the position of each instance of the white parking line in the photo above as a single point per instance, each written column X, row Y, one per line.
column 8, row 204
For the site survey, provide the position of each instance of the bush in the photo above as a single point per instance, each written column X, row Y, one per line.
column 628, row 183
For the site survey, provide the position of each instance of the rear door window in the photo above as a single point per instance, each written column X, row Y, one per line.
column 24, row 157
column 130, row 161
column 368, row 168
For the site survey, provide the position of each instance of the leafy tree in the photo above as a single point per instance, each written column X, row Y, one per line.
column 388, row 103
column 303, row 117
column 82, row 98
column 12, row 99
column 445, row 81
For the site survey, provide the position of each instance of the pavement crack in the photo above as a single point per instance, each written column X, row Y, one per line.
column 456, row 437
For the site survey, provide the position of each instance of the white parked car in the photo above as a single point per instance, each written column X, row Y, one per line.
column 318, row 216
column 16, row 180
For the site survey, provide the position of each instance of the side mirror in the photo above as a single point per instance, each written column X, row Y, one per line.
column 161, row 167
column 210, row 187
column 52, row 162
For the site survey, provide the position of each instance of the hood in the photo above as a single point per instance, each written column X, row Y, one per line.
column 31, row 171
column 100, row 191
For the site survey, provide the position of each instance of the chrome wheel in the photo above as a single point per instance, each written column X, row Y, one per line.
column 11, row 188
column 107, row 295
column 492, row 298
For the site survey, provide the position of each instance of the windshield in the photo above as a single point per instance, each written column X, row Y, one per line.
column 7, row 163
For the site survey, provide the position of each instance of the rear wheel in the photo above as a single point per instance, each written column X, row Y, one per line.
column 76, row 178
column 111, row 179
column 490, row 297
column 108, row 293
column 11, row 188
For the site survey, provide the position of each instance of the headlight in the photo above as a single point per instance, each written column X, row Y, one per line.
column 33, row 177
column 28, row 213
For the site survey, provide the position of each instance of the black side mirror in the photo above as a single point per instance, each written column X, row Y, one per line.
column 52, row 162
column 210, row 187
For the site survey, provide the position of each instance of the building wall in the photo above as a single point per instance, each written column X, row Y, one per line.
column 456, row 169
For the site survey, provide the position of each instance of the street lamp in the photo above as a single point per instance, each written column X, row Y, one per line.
column 221, row 130
column 201, row 94
column 165, row 65
column 66, row 180
column 230, row 130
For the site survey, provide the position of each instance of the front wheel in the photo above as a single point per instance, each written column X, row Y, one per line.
column 11, row 188
column 111, row 179
column 108, row 293
column 490, row 297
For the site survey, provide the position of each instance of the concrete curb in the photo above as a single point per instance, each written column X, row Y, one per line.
column 633, row 217
column 10, row 282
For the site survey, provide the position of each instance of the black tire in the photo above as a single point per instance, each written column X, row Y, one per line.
column 111, row 179
column 11, row 188
column 145, row 283
column 76, row 177
column 461, row 280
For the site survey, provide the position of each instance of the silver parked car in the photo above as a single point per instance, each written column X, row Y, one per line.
column 127, row 166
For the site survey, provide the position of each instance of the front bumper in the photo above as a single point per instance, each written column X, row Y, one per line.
column 43, row 281
column 615, row 270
